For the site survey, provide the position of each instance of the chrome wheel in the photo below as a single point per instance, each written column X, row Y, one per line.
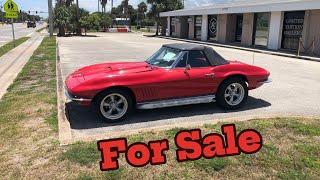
column 114, row 106
column 234, row 94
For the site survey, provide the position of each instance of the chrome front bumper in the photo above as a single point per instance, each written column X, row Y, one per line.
column 70, row 97
column 269, row 80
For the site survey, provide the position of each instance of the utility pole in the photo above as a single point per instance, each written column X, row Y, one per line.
column 98, row 5
column 111, row 6
column 78, row 19
column 2, row 14
column 50, row 18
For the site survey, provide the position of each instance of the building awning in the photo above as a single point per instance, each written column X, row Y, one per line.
column 248, row 7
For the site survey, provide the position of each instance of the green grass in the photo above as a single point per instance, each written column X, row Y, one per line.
column 83, row 153
column 211, row 165
column 9, row 46
column 291, row 150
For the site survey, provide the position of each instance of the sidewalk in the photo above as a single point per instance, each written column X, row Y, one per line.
column 276, row 53
column 12, row 62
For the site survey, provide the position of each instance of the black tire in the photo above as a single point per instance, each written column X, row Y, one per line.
column 101, row 97
column 221, row 100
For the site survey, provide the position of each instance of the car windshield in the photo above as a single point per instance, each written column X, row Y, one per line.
column 165, row 57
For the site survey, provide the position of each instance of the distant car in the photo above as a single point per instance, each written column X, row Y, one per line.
column 178, row 74
column 31, row 24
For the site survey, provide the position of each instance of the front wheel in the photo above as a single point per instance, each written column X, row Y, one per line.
column 232, row 93
column 113, row 105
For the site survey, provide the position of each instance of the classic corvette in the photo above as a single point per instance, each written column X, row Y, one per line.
column 177, row 74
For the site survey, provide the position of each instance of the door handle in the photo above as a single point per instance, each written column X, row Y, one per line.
column 212, row 75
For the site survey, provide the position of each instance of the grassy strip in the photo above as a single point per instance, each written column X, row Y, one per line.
column 9, row 46
column 291, row 151
column 24, row 110
column 146, row 30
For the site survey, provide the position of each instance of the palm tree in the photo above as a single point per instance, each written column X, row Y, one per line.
column 69, row 2
column 103, row 5
column 142, row 8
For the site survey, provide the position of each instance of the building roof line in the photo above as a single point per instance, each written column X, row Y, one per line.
column 247, row 7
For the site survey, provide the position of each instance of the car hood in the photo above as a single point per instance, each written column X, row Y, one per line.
column 120, row 68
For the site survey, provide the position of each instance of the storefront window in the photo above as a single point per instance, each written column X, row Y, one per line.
column 261, row 29
column 173, row 27
column 197, row 27
column 292, row 29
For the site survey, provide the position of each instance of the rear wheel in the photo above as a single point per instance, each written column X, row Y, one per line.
column 113, row 105
column 232, row 93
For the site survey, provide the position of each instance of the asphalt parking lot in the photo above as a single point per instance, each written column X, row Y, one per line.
column 295, row 90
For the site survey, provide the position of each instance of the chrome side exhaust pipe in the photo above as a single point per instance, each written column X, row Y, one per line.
column 176, row 102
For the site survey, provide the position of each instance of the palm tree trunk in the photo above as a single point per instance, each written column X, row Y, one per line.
column 61, row 31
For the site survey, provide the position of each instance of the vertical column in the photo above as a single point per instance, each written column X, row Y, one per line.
column 204, row 28
column 168, row 26
column 275, row 30
column 191, row 21
column 222, row 25
column 247, row 29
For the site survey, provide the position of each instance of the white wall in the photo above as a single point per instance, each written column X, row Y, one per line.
column 204, row 28
column 274, row 39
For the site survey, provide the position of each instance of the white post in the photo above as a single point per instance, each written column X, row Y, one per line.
column 14, row 38
column 204, row 28
column 274, row 30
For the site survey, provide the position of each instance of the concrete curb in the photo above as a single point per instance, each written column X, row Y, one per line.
column 65, row 135
column 245, row 49
column 112, row 134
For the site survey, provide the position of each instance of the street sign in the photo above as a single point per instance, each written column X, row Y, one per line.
column 13, row 15
column 11, row 9
column 10, row 6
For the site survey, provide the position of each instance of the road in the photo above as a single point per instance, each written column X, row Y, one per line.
column 295, row 89
column 21, row 30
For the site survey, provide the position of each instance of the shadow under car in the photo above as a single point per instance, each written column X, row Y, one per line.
column 85, row 118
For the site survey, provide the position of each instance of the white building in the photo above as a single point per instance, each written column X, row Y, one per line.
column 273, row 24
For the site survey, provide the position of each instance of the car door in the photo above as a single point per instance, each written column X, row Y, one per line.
column 201, row 74
column 174, row 82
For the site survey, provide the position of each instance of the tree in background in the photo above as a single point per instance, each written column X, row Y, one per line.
column 85, row 23
column 62, row 19
column 95, row 21
column 118, row 12
column 103, row 5
column 158, row 6
column 142, row 9
column 69, row 2
column 72, row 27
column 106, row 21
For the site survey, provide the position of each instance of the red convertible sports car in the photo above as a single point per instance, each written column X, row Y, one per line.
column 177, row 74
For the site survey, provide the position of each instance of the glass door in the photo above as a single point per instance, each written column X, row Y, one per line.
column 197, row 27
column 261, row 29
column 239, row 28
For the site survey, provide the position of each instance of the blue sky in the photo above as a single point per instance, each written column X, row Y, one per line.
column 91, row 5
